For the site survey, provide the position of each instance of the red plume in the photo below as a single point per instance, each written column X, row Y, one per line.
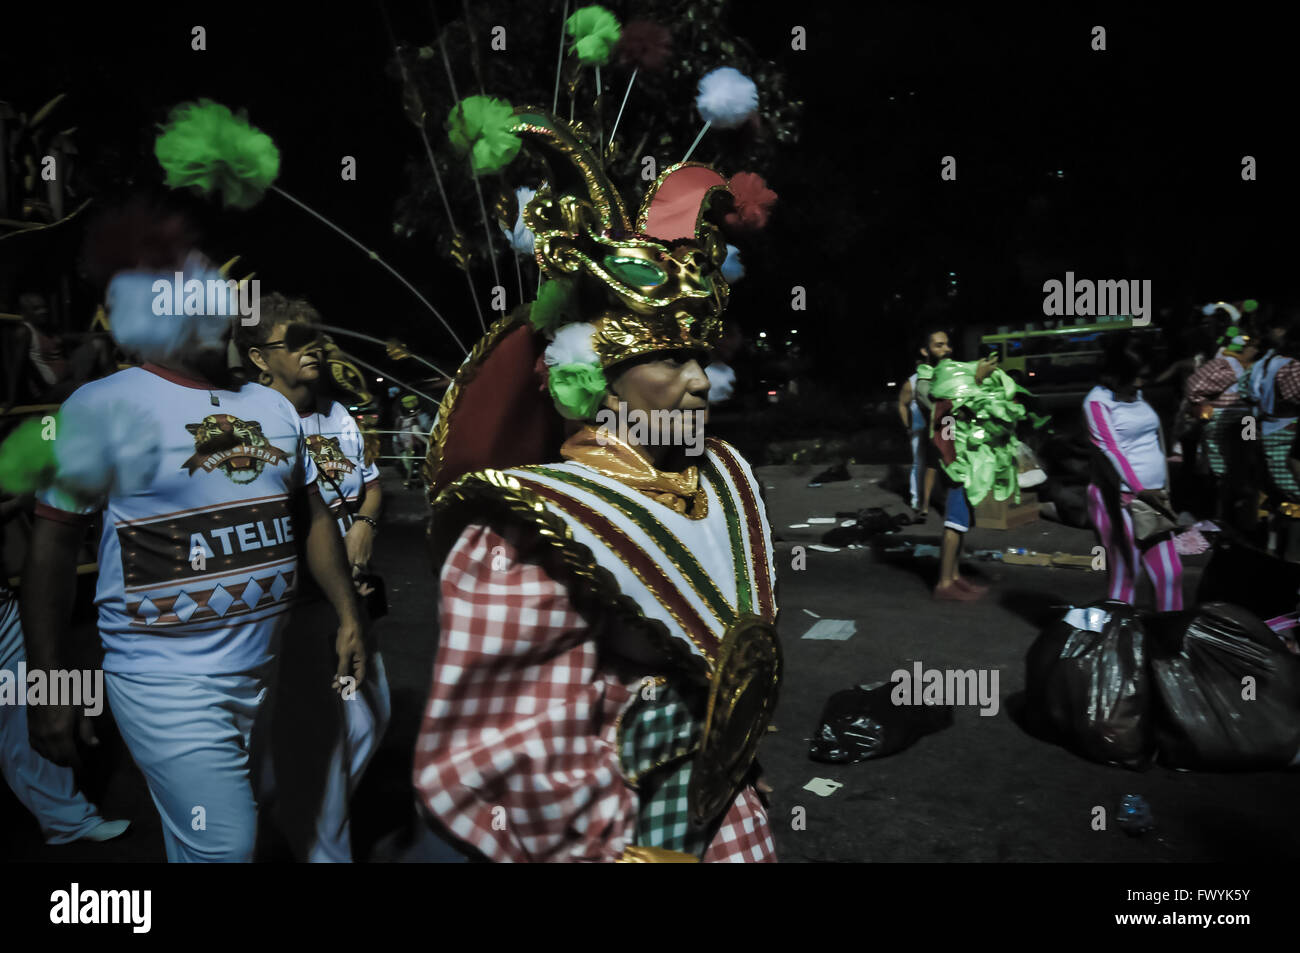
column 753, row 202
column 645, row 45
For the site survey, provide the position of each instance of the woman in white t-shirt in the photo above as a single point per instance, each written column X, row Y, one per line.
column 1125, row 429
column 286, row 349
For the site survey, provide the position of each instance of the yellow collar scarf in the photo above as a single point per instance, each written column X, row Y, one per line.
column 607, row 454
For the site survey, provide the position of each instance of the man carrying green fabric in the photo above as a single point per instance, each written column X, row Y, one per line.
column 972, row 426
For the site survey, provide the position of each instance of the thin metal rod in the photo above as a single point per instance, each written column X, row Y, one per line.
column 428, row 151
column 375, row 256
column 559, row 59
column 387, row 376
column 614, row 132
column 487, row 227
column 697, row 141
column 374, row 340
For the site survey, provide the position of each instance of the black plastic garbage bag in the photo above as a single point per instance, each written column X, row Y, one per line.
column 1206, row 718
column 1250, row 578
column 863, row 722
column 1086, row 680
column 867, row 524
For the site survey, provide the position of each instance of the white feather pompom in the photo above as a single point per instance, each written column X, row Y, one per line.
column 733, row 269
column 572, row 345
column 142, row 312
column 521, row 236
column 211, row 327
column 727, row 97
column 137, row 329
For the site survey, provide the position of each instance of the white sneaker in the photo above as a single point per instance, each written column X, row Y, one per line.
column 106, row 830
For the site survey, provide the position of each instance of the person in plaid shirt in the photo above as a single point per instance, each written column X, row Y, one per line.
column 607, row 657
column 1219, row 387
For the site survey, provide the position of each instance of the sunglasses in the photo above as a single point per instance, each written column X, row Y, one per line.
column 297, row 337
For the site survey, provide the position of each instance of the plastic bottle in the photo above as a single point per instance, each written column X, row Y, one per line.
column 1134, row 815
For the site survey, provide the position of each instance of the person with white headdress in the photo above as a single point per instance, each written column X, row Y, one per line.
column 210, row 510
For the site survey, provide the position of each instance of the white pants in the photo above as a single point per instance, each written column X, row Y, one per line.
column 366, row 716
column 190, row 735
column 44, row 788
column 321, row 743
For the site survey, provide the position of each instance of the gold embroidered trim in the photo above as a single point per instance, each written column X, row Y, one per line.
column 591, row 586
column 682, row 570
column 708, row 656
column 466, row 373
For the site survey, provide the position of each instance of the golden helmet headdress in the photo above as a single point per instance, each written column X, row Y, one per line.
column 614, row 288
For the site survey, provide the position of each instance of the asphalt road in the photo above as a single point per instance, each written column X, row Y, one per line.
column 981, row 790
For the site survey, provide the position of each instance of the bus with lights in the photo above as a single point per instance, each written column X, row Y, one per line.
column 1061, row 364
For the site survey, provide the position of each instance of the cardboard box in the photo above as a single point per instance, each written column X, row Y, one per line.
column 1005, row 514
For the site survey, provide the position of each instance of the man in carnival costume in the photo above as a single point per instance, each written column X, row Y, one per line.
column 608, row 658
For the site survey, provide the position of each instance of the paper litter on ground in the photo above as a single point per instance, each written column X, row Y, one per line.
column 821, row 519
column 823, row 549
column 811, row 613
column 823, row 786
column 798, row 525
column 836, row 630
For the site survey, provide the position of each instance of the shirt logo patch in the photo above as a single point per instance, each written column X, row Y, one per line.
column 235, row 446
column 329, row 456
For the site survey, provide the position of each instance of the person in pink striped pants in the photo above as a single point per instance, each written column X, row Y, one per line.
column 1126, row 431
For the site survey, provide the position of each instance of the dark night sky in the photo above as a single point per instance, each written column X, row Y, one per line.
column 1149, row 135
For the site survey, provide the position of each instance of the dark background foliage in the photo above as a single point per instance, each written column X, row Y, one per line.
column 1117, row 164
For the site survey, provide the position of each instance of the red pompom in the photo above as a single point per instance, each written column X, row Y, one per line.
column 753, row 202
column 645, row 45
column 140, row 236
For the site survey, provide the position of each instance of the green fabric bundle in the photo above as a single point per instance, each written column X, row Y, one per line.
column 577, row 389
column 556, row 304
column 206, row 147
column 595, row 32
column 984, row 419
column 27, row 459
column 481, row 126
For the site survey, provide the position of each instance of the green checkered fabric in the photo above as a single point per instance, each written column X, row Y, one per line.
column 665, row 817
column 1223, row 427
column 1277, row 447
column 656, row 730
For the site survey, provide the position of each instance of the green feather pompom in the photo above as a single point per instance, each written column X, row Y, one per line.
column 481, row 126
column 556, row 304
column 205, row 146
column 595, row 31
column 27, row 459
column 577, row 389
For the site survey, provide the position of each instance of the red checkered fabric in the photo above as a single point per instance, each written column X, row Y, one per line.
column 1208, row 383
column 1287, row 382
column 744, row 836
column 516, row 754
